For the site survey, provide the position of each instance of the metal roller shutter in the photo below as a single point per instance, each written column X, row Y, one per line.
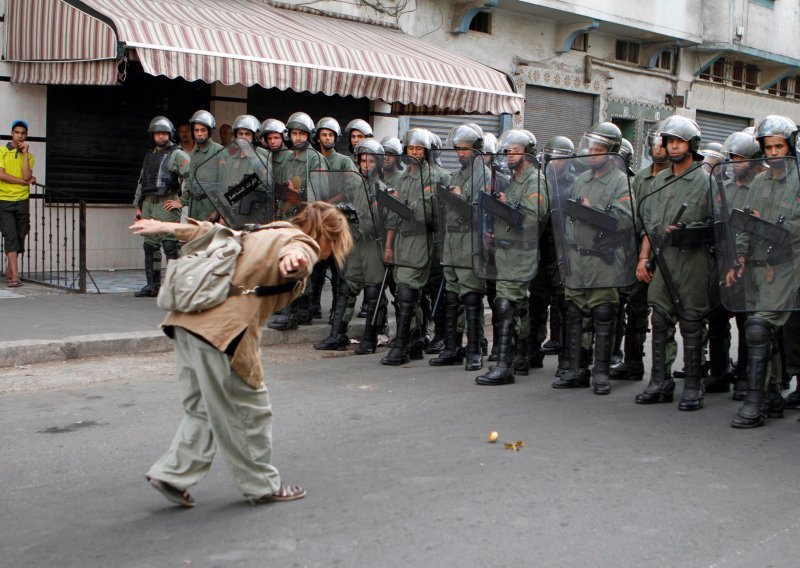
column 716, row 127
column 556, row 112
column 441, row 126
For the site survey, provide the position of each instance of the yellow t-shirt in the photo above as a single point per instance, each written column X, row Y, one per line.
column 11, row 161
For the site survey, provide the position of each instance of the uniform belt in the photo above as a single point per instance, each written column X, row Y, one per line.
column 606, row 256
column 458, row 228
column 159, row 199
column 518, row 245
column 411, row 232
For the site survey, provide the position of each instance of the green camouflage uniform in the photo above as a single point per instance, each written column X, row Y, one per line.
column 691, row 269
column 194, row 196
column 608, row 193
column 152, row 206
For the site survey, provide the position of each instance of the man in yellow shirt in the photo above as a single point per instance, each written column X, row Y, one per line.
column 16, row 175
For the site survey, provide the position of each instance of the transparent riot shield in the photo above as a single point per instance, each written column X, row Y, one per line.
column 350, row 192
column 757, row 223
column 456, row 206
column 238, row 181
column 591, row 211
column 677, row 216
column 507, row 224
column 292, row 190
column 405, row 213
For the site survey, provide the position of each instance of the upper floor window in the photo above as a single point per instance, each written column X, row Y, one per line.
column 666, row 60
column 482, row 22
column 734, row 73
column 627, row 51
column 581, row 43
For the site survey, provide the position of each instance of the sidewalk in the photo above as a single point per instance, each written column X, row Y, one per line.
column 39, row 324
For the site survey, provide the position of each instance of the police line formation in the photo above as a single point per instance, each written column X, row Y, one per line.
column 705, row 234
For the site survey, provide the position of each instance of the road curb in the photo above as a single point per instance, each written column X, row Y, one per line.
column 30, row 351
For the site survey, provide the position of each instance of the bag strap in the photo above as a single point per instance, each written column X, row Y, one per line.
column 263, row 291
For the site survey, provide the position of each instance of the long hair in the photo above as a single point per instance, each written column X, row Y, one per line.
column 325, row 224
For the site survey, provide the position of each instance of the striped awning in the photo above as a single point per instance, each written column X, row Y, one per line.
column 247, row 42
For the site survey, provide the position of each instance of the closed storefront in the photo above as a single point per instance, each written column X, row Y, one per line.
column 556, row 112
column 716, row 127
column 441, row 126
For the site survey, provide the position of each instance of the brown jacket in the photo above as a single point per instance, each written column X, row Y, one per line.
column 235, row 325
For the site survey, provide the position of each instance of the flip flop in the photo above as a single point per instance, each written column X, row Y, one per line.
column 284, row 493
column 172, row 493
column 13, row 283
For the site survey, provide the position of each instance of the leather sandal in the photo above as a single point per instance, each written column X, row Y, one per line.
column 172, row 493
column 284, row 493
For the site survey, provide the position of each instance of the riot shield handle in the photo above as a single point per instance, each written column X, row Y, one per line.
column 663, row 239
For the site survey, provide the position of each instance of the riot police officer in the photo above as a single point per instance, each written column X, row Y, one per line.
column 159, row 183
column 768, row 267
column 674, row 215
column 407, row 247
column 355, row 131
column 392, row 160
column 735, row 175
column 556, row 147
column 273, row 135
column 291, row 189
column 455, row 228
column 194, row 196
column 326, row 135
column 509, row 229
column 599, row 240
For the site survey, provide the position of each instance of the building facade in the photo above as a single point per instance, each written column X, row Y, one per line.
column 724, row 63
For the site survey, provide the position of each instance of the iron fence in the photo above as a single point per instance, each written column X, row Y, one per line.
column 55, row 248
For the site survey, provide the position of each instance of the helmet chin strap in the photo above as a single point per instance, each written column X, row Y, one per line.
column 659, row 160
column 301, row 145
column 678, row 159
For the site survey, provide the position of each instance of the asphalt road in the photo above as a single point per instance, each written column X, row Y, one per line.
column 398, row 472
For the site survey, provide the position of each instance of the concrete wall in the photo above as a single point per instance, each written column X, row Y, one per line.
column 769, row 27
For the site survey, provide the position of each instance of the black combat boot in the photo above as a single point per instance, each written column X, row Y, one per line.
column 502, row 373
column 369, row 342
column 520, row 360
column 284, row 319
column 150, row 290
column 416, row 349
column 407, row 299
column 617, row 356
column 334, row 288
column 317, row 282
column 563, row 353
column 535, row 351
column 553, row 345
column 753, row 412
column 740, row 370
column 604, row 317
column 452, row 354
column 491, row 295
column 338, row 340
column 438, row 343
column 577, row 375
column 719, row 346
column 473, row 306
column 632, row 367
column 692, row 334
column 661, row 388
